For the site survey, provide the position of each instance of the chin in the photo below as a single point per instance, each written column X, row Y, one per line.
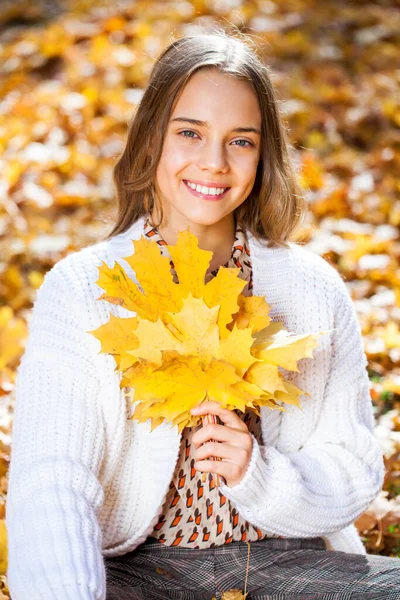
column 204, row 220
column 207, row 217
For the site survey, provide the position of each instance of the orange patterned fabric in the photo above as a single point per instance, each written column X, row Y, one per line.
column 240, row 256
column 196, row 514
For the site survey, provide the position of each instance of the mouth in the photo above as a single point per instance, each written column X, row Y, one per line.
column 206, row 196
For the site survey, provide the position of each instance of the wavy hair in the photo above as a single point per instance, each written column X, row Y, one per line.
column 276, row 207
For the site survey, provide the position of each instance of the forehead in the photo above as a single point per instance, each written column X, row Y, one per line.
column 213, row 96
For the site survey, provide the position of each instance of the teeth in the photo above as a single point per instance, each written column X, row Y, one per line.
column 205, row 190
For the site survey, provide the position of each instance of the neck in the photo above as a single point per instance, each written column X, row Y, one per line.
column 217, row 238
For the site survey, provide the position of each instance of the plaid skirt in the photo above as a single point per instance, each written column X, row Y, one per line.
column 279, row 569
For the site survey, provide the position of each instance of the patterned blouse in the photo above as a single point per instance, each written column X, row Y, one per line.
column 196, row 514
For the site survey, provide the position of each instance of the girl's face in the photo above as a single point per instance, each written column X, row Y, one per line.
column 211, row 151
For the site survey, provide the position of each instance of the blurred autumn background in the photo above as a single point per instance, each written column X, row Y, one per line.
column 71, row 75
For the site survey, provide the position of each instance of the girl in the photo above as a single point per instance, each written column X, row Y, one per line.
column 100, row 507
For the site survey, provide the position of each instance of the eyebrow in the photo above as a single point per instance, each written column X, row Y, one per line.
column 205, row 124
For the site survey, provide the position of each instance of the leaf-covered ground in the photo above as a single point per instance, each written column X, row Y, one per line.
column 71, row 75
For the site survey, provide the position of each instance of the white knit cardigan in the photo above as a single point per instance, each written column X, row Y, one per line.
column 87, row 482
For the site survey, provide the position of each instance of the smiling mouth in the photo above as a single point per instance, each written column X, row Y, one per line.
column 206, row 196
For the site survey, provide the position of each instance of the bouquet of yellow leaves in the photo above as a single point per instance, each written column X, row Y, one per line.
column 190, row 341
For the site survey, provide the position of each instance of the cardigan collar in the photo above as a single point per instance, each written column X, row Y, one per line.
column 135, row 231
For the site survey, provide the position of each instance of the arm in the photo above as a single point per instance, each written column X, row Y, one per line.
column 54, row 539
column 333, row 477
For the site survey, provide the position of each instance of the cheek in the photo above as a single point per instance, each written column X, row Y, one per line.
column 174, row 157
column 169, row 174
column 167, row 169
column 249, row 168
column 249, row 173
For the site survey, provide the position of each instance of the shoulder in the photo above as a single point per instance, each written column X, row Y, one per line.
column 319, row 267
column 78, row 271
column 324, row 288
column 298, row 266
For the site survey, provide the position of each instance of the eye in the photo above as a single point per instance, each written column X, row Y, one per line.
column 250, row 144
column 186, row 131
column 247, row 142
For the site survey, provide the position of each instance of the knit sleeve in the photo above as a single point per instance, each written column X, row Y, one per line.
column 332, row 478
column 54, row 495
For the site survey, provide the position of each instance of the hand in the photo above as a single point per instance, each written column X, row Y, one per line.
column 232, row 442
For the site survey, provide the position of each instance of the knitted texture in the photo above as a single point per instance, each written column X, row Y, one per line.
column 86, row 482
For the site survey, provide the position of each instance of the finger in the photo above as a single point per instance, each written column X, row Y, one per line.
column 228, row 417
column 221, row 433
column 216, row 449
column 224, row 468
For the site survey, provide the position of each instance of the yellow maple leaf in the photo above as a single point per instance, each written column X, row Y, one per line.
column 121, row 290
column 193, row 331
column 191, row 341
column 191, row 263
column 266, row 376
column 253, row 313
column 286, row 350
column 236, row 349
column 250, row 395
column 265, row 336
column 161, row 292
column 117, row 336
column 154, row 337
column 180, row 384
column 292, row 394
column 196, row 325
column 223, row 291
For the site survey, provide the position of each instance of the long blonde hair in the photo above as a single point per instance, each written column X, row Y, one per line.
column 276, row 207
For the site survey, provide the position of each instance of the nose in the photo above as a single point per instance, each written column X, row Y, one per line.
column 213, row 158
